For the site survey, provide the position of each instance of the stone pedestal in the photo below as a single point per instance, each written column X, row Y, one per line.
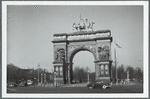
column 103, row 71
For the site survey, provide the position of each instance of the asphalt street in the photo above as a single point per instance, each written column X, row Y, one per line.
column 79, row 88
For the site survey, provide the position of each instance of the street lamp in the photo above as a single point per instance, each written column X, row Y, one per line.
column 38, row 72
column 54, row 78
column 64, row 69
column 116, row 61
column 44, row 78
column 116, row 67
column 41, row 79
column 88, row 76
column 128, row 75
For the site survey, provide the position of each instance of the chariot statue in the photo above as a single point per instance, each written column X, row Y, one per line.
column 83, row 25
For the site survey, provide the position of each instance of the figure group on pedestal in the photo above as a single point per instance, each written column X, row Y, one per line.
column 83, row 25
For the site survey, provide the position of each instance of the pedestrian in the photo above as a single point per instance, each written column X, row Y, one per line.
column 34, row 82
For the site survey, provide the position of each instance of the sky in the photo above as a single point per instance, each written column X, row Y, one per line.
column 30, row 32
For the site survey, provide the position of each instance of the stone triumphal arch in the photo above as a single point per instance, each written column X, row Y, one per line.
column 66, row 45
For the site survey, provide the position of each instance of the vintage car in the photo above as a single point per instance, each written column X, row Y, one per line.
column 11, row 84
column 21, row 83
column 98, row 84
column 29, row 82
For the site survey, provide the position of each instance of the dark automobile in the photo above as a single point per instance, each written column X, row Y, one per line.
column 21, row 83
column 98, row 84
column 29, row 82
column 11, row 84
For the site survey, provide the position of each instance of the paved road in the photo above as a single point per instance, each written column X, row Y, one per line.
column 79, row 88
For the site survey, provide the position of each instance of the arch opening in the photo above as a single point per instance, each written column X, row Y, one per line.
column 84, row 59
column 82, row 63
column 79, row 50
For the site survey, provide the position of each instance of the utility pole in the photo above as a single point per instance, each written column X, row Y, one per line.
column 38, row 71
column 116, row 67
column 116, row 62
column 55, row 83
column 64, row 69
column 88, row 77
column 128, row 75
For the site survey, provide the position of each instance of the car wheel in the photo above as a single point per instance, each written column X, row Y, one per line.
column 93, row 85
column 104, row 86
column 90, row 87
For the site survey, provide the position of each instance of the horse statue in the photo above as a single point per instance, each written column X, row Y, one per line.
column 75, row 27
column 82, row 24
column 90, row 26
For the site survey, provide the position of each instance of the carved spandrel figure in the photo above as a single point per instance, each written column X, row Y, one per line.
column 59, row 54
column 103, row 52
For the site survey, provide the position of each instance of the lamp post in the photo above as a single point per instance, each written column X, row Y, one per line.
column 116, row 61
column 41, row 78
column 88, row 76
column 38, row 72
column 116, row 67
column 64, row 69
column 128, row 75
column 44, row 78
column 55, row 79
column 135, row 73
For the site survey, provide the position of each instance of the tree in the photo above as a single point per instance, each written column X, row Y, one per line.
column 82, row 74
column 12, row 72
column 79, row 74
column 138, row 74
column 121, row 72
column 87, row 68
column 131, row 72
column 113, row 70
column 92, row 76
column 15, row 74
column 75, row 75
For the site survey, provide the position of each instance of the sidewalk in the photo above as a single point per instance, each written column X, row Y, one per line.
column 45, row 85
column 61, row 85
column 75, row 85
column 11, row 89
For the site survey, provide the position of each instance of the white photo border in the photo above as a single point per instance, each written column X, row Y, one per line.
column 145, row 93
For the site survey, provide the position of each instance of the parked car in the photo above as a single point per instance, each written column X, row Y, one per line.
column 98, row 84
column 29, row 82
column 21, row 83
column 11, row 84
